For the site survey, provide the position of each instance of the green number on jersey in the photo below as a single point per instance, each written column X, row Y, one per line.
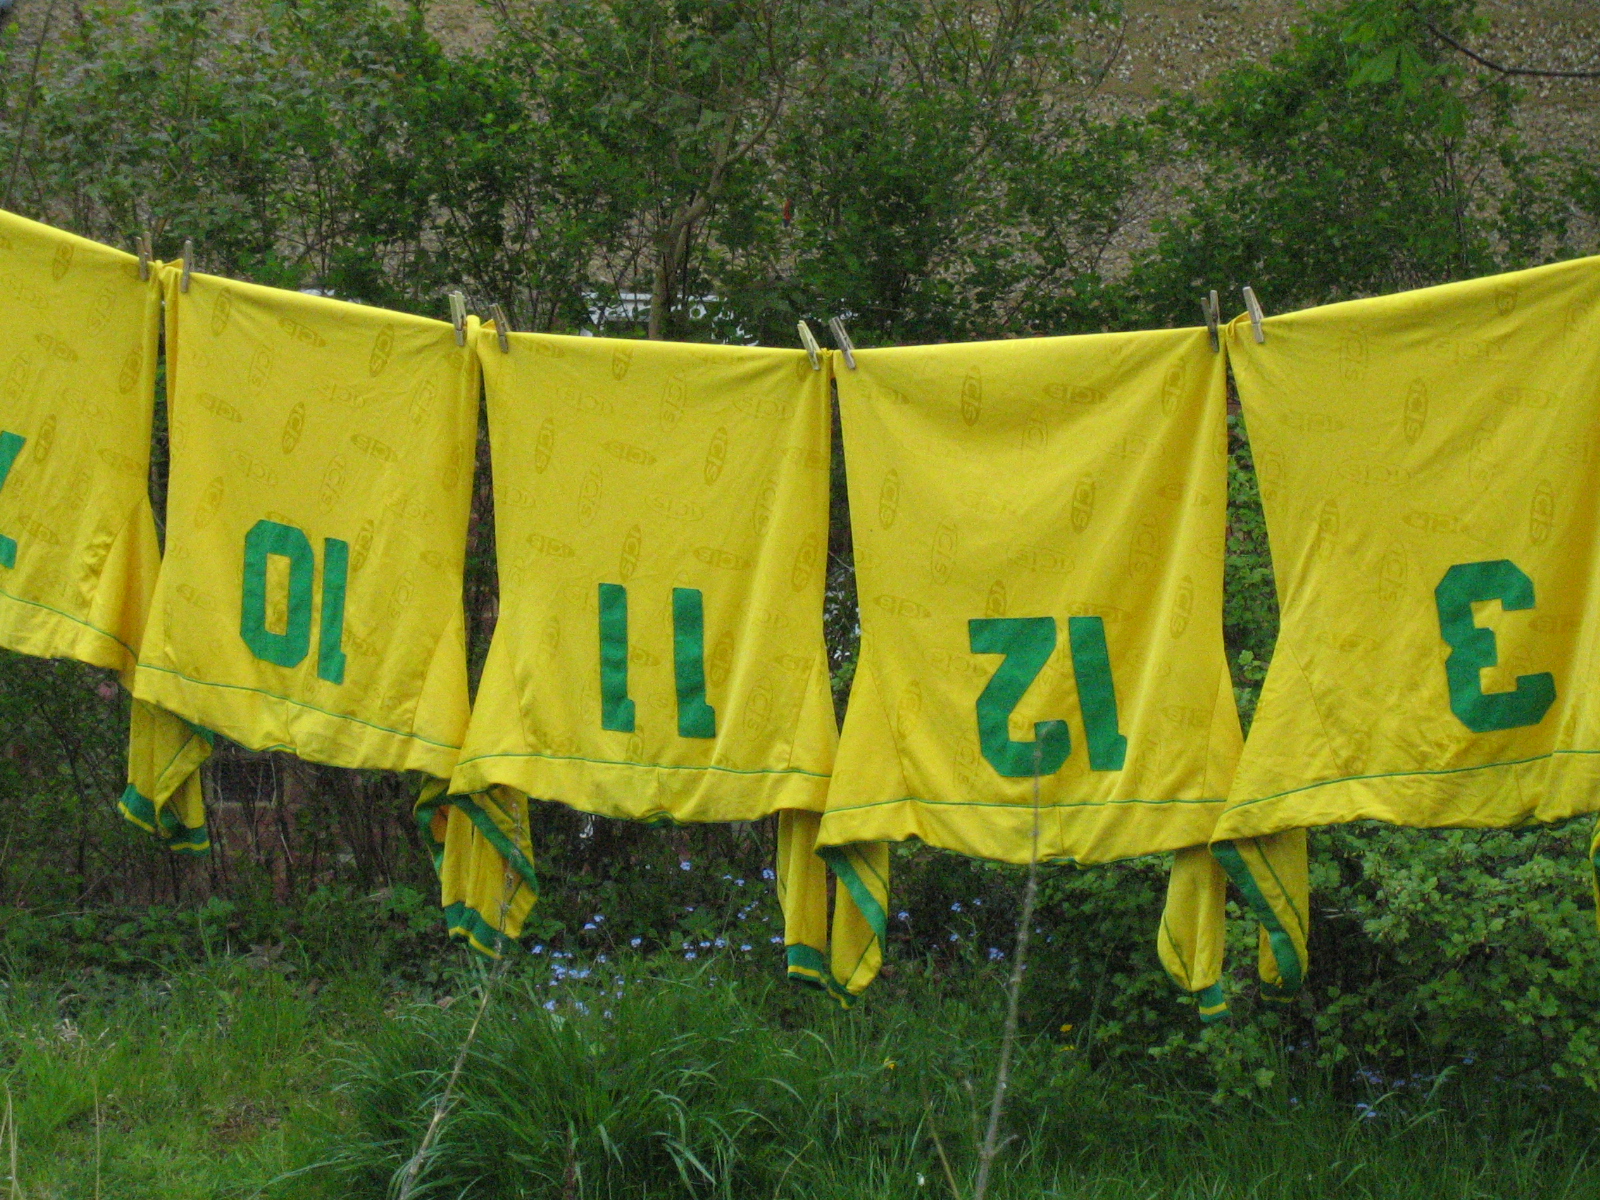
column 10, row 446
column 1472, row 648
column 1028, row 643
column 696, row 718
column 1097, row 697
column 289, row 648
column 616, row 710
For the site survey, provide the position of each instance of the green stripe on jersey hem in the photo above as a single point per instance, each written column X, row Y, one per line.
column 1511, row 762
column 239, row 687
column 612, row 762
column 842, row 808
column 132, row 653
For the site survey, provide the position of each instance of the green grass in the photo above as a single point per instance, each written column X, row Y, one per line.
column 234, row 1080
column 200, row 1084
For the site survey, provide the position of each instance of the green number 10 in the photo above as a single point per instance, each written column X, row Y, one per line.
column 290, row 647
column 696, row 718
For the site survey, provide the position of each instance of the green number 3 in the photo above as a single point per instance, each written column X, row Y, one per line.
column 1472, row 648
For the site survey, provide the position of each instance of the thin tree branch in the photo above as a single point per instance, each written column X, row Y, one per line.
column 1494, row 66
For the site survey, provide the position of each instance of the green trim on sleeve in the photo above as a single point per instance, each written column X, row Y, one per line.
column 1283, row 948
column 1213, row 1004
column 163, row 823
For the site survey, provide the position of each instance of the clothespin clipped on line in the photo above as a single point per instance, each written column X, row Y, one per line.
column 1212, row 308
column 502, row 327
column 458, row 316
column 144, row 257
column 809, row 341
column 188, row 264
column 842, row 340
column 1256, row 315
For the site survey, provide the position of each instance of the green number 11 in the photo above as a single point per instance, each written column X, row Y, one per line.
column 696, row 718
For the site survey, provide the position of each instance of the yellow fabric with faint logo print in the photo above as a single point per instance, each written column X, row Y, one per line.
column 661, row 521
column 322, row 458
column 1430, row 471
column 78, row 548
column 1038, row 533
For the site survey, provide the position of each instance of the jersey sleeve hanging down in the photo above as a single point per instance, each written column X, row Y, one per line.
column 78, row 547
column 1038, row 530
column 661, row 523
column 1430, row 471
column 310, row 599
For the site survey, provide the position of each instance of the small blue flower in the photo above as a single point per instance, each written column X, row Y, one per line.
column 745, row 946
column 956, row 907
column 588, row 925
column 768, row 874
column 550, row 1004
column 903, row 916
column 690, row 955
column 955, row 937
column 776, row 940
column 995, row 954
column 636, row 942
column 537, row 950
column 686, row 865
column 738, row 883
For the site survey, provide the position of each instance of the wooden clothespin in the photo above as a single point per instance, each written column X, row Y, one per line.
column 1256, row 315
column 188, row 264
column 809, row 341
column 502, row 327
column 458, row 316
column 842, row 340
column 1211, row 306
column 145, row 255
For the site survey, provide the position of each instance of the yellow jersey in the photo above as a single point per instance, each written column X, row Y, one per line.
column 1038, row 532
column 1429, row 464
column 322, row 458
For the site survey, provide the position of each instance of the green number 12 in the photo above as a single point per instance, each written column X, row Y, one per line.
column 290, row 647
column 696, row 718
column 1028, row 643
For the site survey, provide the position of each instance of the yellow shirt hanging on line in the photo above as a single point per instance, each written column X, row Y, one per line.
column 78, row 548
column 1038, row 531
column 1429, row 466
column 322, row 459
column 661, row 523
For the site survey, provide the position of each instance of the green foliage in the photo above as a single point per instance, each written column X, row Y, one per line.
column 635, row 1079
